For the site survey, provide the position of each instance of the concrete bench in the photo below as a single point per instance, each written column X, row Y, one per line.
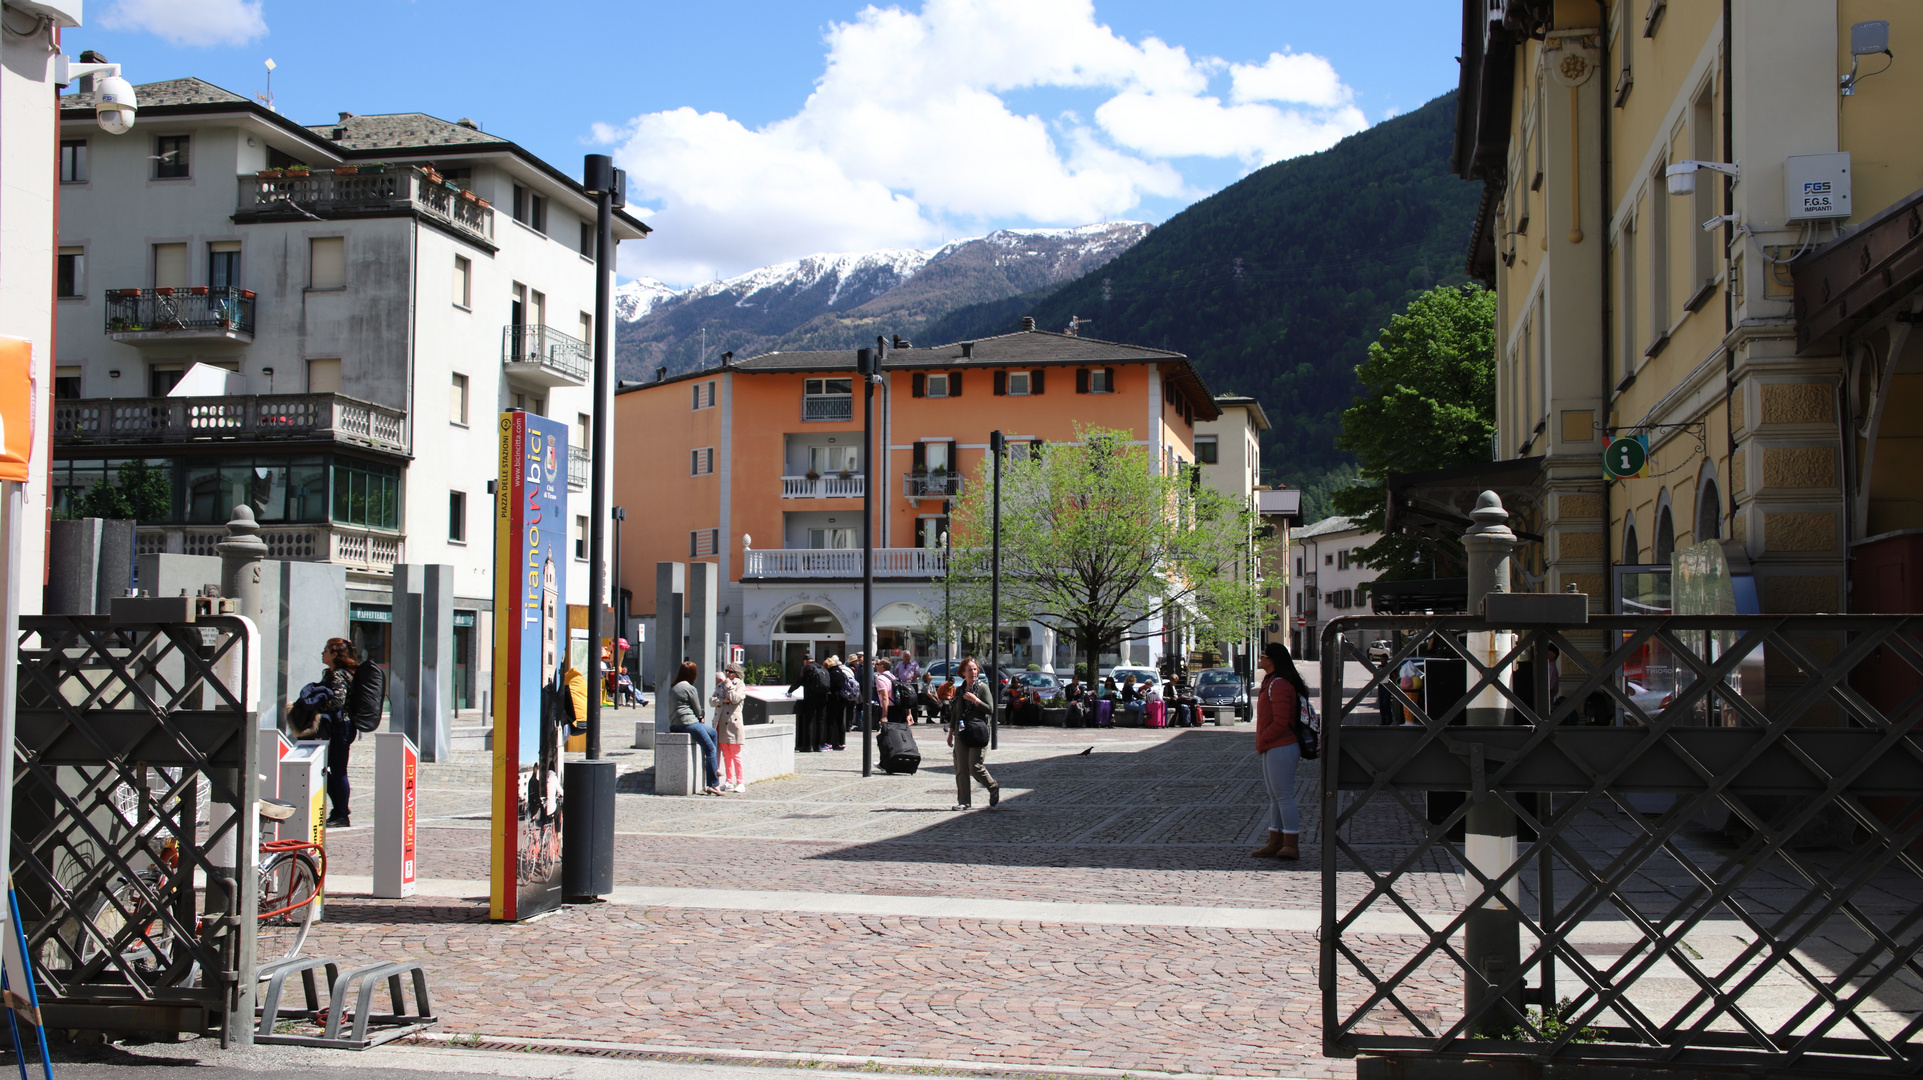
column 767, row 751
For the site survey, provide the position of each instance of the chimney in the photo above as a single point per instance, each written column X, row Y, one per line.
column 89, row 57
column 466, row 123
column 346, row 116
column 660, row 374
column 968, row 350
column 1028, row 322
column 903, row 343
column 727, row 359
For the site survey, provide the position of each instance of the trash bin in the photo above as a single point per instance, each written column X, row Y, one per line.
column 587, row 829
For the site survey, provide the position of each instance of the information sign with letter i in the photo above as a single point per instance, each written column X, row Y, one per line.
column 1627, row 457
column 530, row 623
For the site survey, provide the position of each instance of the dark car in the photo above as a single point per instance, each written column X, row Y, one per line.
column 1223, row 686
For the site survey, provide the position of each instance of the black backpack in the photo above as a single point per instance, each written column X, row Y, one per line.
column 848, row 688
column 818, row 680
column 365, row 697
column 905, row 695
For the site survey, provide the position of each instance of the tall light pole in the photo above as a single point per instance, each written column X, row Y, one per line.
column 619, row 514
column 948, row 602
column 587, row 814
column 996, row 446
column 865, row 368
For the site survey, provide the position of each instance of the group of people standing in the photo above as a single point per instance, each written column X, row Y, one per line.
column 831, row 694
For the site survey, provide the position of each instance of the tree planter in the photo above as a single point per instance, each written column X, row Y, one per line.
column 1055, row 717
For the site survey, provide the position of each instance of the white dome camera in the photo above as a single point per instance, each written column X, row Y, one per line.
column 114, row 103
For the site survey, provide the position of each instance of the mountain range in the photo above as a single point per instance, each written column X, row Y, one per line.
column 839, row 301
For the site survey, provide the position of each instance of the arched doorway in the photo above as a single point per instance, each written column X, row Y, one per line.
column 806, row 629
column 1665, row 542
column 902, row 629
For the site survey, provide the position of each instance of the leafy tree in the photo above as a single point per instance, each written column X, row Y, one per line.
column 1429, row 402
column 1096, row 544
column 141, row 491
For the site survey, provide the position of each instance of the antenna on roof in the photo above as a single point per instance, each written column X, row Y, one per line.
column 1075, row 324
column 267, row 98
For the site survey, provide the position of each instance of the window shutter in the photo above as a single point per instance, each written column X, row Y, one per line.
column 1001, row 383
column 921, row 450
column 921, row 385
column 954, row 384
column 1035, row 382
column 954, row 466
column 694, row 539
column 1035, row 448
column 694, row 462
column 1081, row 380
column 1108, row 374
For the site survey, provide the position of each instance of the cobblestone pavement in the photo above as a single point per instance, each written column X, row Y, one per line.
column 1148, row 818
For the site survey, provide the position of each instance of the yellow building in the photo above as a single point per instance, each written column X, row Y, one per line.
column 1702, row 230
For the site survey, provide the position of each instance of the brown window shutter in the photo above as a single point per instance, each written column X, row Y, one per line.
column 921, row 451
column 1109, row 374
column 954, row 384
column 1001, row 383
column 1035, row 382
column 921, row 385
column 954, row 466
column 1081, row 380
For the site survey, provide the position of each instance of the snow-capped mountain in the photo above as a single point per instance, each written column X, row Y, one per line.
column 843, row 300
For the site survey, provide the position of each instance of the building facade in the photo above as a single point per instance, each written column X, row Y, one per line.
column 755, row 465
column 1228, row 451
column 1329, row 579
column 322, row 323
column 1664, row 271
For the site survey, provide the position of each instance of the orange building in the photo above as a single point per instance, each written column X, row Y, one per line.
column 756, row 465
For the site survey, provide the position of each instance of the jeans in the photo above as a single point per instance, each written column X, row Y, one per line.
column 338, row 789
column 703, row 735
column 1278, row 771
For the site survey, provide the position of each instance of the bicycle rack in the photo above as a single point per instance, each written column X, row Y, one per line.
column 391, row 1025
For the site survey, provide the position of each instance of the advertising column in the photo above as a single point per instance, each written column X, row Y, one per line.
column 530, row 584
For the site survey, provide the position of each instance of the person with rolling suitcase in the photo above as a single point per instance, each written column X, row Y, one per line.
column 899, row 755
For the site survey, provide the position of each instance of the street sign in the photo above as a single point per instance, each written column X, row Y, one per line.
column 1301, row 620
column 1627, row 457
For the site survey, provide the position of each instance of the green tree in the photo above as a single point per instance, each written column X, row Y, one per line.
column 1097, row 545
column 1428, row 402
column 139, row 491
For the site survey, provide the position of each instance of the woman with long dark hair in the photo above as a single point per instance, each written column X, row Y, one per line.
column 689, row 716
column 338, row 678
column 1277, row 704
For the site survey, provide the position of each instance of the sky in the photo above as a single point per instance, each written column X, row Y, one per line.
column 759, row 131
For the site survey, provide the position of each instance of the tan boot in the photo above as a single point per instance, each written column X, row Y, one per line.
column 1290, row 847
column 1271, row 848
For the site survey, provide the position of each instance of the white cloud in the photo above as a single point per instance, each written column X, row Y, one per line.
column 190, row 22
column 909, row 133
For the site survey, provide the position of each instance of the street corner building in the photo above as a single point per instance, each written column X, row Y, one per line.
column 754, row 467
column 1700, row 220
column 322, row 322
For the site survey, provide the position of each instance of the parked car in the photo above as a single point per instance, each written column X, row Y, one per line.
column 1142, row 674
column 1041, row 681
column 1379, row 651
column 1223, row 686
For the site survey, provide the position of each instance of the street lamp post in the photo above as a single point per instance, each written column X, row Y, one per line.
column 996, row 445
column 620, row 514
column 866, row 367
column 947, row 603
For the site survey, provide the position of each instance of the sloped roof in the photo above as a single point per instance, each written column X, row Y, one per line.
column 1020, row 347
column 1326, row 527
column 394, row 130
column 188, row 91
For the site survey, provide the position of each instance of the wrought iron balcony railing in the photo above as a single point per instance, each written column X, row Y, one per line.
column 578, row 467
column 174, row 313
column 931, row 485
column 329, row 195
column 545, row 355
column 827, row 407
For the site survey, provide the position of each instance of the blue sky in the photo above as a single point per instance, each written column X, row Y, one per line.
column 757, row 131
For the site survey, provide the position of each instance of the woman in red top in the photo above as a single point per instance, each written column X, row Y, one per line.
column 1276, row 706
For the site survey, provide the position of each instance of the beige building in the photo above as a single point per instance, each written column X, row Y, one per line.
column 1329, row 579
column 1228, row 450
column 1765, row 357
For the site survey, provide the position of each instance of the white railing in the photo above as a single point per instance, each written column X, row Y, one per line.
column 841, row 563
column 353, row 547
column 822, row 487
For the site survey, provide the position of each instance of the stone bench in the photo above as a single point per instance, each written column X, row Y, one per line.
column 767, row 751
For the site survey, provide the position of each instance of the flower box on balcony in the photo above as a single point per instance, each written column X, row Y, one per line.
column 246, row 294
column 480, row 202
column 197, row 290
column 164, row 291
column 347, row 170
column 432, row 176
column 469, row 195
column 451, row 186
column 376, row 168
column 300, row 171
column 271, row 174
column 813, row 475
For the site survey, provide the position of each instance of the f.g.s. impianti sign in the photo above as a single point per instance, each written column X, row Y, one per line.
column 530, row 581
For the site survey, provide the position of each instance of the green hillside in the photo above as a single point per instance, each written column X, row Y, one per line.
column 1276, row 284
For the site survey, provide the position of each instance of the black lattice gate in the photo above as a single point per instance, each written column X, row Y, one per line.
column 1715, row 860
column 134, row 831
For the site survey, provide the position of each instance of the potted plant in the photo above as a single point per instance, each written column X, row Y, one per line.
column 375, row 167
column 432, row 176
column 847, row 474
column 346, row 170
column 271, row 174
column 812, row 474
column 298, row 172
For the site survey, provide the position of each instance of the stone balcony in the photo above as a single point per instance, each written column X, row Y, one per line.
column 394, row 190
column 852, row 486
column 368, row 550
column 239, row 418
column 842, row 563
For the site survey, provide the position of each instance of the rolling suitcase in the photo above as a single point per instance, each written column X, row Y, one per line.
column 1105, row 713
column 897, row 745
column 1155, row 714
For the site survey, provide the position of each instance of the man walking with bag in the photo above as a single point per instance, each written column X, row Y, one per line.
column 968, row 734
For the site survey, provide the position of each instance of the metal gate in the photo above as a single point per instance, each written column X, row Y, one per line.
column 134, row 829
column 1715, row 853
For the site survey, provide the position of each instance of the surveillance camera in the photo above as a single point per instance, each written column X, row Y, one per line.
column 115, row 104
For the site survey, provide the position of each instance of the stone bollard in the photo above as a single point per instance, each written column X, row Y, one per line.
column 1492, row 935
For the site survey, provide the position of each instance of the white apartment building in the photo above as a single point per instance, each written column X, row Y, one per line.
column 1228, row 450
column 1329, row 579
column 372, row 292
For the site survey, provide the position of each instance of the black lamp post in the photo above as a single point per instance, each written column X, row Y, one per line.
column 865, row 368
column 947, row 602
column 619, row 514
column 996, row 446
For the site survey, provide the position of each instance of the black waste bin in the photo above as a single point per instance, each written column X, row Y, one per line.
column 587, row 829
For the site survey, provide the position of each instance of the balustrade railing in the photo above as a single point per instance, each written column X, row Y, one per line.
column 823, row 487
column 194, row 309
column 349, row 545
column 842, row 562
column 325, row 194
column 241, row 416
